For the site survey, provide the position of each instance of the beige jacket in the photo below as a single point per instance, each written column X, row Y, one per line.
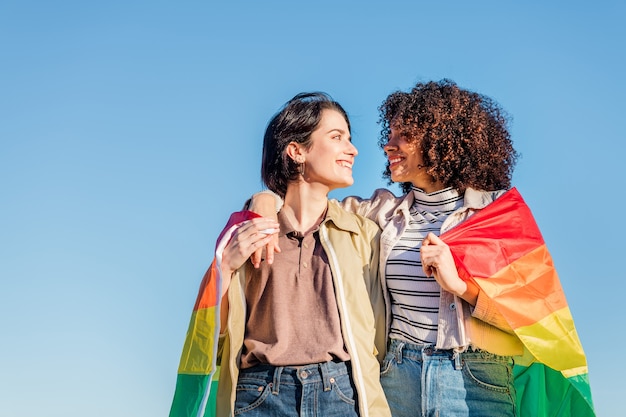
column 351, row 243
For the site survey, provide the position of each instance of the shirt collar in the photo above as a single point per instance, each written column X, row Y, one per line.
column 472, row 199
column 287, row 228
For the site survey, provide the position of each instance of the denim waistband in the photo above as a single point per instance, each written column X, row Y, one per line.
column 401, row 349
column 324, row 372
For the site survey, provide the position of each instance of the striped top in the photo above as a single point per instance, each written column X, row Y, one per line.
column 414, row 296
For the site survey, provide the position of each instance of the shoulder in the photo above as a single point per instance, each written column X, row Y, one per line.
column 353, row 222
column 479, row 199
column 383, row 196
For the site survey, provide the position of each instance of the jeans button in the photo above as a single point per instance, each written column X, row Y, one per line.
column 304, row 374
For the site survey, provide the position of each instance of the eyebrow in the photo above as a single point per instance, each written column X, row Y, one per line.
column 337, row 130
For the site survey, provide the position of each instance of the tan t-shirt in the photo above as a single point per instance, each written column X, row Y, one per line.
column 292, row 310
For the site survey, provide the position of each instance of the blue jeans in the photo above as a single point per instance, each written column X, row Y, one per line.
column 421, row 381
column 318, row 390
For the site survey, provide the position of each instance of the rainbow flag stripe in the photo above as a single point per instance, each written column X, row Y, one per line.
column 501, row 249
column 198, row 372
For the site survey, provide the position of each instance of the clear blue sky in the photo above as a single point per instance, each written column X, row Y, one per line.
column 129, row 130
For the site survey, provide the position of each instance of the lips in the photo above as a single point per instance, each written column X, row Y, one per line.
column 394, row 160
column 345, row 164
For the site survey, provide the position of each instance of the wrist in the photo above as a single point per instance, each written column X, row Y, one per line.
column 470, row 293
column 278, row 201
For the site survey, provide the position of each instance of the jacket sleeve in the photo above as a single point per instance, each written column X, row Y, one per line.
column 486, row 310
column 379, row 207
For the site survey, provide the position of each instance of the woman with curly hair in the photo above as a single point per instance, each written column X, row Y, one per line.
column 451, row 150
column 452, row 153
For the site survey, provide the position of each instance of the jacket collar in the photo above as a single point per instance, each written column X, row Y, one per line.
column 476, row 200
column 341, row 218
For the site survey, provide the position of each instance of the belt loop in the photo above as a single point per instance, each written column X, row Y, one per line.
column 457, row 361
column 399, row 352
column 325, row 374
column 276, row 381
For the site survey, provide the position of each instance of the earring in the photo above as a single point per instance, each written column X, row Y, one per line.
column 300, row 166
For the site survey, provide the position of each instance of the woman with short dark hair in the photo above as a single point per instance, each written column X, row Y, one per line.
column 299, row 335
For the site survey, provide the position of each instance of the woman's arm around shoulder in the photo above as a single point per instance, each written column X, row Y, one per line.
column 378, row 207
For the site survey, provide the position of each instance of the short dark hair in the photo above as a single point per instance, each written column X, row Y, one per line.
column 294, row 122
column 463, row 135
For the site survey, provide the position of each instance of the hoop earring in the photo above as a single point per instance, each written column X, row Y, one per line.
column 300, row 163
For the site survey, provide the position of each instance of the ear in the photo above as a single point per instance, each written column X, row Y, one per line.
column 295, row 152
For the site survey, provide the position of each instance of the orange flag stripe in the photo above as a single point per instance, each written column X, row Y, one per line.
column 532, row 281
column 207, row 295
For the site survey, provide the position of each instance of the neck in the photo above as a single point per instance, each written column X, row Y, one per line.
column 304, row 205
column 430, row 187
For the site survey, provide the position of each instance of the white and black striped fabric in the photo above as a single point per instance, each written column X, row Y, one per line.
column 414, row 296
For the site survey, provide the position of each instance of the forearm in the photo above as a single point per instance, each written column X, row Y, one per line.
column 266, row 203
column 378, row 207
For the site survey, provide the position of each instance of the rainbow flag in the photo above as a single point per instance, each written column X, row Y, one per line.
column 501, row 249
column 198, row 372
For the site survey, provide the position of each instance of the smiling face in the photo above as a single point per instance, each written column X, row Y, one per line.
column 406, row 162
column 330, row 158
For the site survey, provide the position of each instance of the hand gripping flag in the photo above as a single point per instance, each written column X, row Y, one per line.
column 198, row 372
column 501, row 249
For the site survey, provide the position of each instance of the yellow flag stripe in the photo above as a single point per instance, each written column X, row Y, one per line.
column 200, row 343
column 554, row 341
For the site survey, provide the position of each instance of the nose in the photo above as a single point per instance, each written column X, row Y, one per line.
column 391, row 145
column 352, row 150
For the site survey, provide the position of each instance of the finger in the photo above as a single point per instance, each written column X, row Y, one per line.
column 255, row 258
column 258, row 225
column 271, row 248
column 256, row 245
column 265, row 222
column 248, row 242
column 268, row 230
column 251, row 233
column 269, row 252
column 252, row 236
column 433, row 239
column 275, row 241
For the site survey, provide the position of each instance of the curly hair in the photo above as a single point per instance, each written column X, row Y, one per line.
column 463, row 135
